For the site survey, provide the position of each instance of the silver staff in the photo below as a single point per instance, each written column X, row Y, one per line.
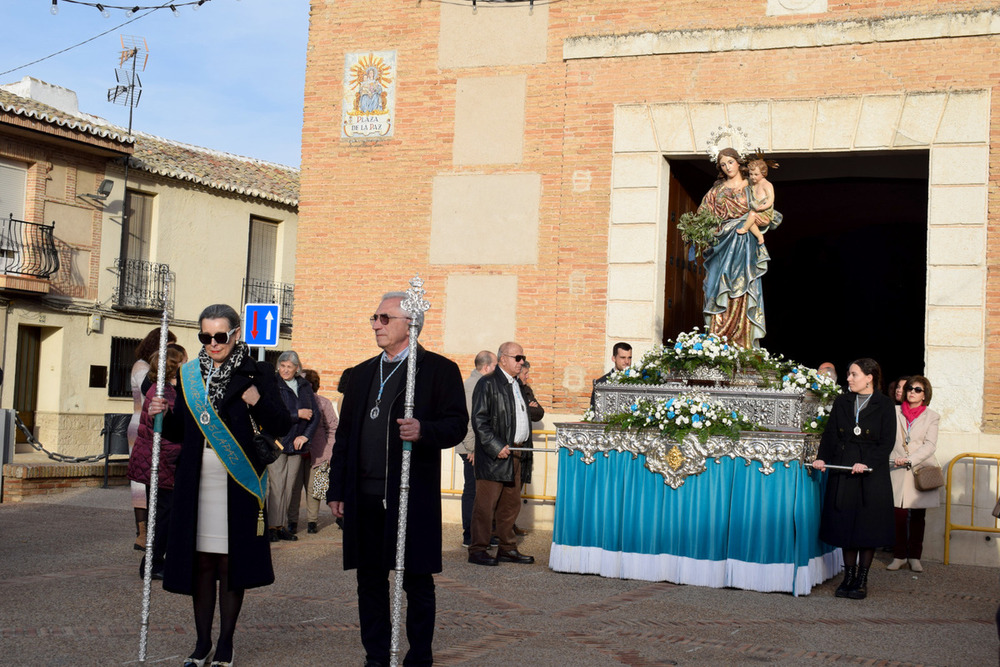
column 833, row 467
column 154, row 475
column 414, row 305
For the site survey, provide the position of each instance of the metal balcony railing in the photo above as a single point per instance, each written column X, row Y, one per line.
column 263, row 291
column 27, row 249
column 140, row 285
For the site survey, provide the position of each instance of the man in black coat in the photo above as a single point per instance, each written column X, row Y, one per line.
column 365, row 477
column 500, row 420
column 621, row 356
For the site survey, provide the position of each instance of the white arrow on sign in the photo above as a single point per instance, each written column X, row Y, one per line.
column 268, row 319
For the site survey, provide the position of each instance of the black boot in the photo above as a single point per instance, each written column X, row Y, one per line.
column 847, row 585
column 860, row 590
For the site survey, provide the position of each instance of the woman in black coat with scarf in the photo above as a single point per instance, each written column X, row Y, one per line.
column 217, row 523
column 857, row 508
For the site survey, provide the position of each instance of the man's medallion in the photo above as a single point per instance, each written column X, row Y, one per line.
column 857, row 430
column 204, row 418
column 374, row 413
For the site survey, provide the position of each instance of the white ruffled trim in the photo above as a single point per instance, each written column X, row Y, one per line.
column 762, row 577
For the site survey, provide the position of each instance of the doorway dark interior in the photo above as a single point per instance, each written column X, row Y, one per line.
column 847, row 277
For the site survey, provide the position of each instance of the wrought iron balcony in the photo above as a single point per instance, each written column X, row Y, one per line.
column 263, row 291
column 140, row 285
column 27, row 249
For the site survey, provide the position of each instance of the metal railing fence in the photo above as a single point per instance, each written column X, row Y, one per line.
column 985, row 463
column 541, row 487
column 27, row 248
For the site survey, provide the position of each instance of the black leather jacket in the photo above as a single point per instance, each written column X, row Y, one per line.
column 493, row 420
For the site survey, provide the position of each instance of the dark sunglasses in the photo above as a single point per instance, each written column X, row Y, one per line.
column 517, row 357
column 917, row 390
column 220, row 338
column 384, row 319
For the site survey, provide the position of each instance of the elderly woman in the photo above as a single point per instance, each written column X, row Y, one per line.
column 857, row 506
column 321, row 449
column 916, row 440
column 217, row 521
column 734, row 302
column 297, row 396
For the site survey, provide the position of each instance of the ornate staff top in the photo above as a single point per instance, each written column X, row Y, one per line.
column 414, row 302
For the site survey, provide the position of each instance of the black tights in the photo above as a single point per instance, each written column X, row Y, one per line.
column 862, row 557
column 210, row 568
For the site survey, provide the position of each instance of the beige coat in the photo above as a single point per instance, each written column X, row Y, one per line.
column 923, row 442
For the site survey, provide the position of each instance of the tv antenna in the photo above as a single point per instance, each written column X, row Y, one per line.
column 132, row 60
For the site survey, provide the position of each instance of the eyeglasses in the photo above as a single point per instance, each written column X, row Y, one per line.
column 519, row 358
column 384, row 319
column 220, row 338
column 915, row 390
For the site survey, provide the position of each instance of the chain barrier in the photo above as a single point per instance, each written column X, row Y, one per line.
column 55, row 456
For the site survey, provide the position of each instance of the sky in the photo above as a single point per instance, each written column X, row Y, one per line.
column 229, row 76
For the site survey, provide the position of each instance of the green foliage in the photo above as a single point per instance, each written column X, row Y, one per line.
column 698, row 229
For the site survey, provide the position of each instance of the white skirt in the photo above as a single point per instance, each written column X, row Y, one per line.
column 213, row 505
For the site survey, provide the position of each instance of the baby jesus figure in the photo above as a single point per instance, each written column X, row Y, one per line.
column 761, row 200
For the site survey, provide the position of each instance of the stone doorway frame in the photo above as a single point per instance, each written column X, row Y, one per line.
column 953, row 126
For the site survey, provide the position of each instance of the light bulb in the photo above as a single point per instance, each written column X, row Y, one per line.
column 54, row 9
column 104, row 12
column 177, row 14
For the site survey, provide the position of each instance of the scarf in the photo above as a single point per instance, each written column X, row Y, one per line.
column 911, row 414
column 222, row 374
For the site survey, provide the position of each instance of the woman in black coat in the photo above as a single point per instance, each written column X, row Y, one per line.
column 216, row 527
column 857, row 508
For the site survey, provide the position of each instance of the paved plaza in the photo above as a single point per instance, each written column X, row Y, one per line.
column 70, row 595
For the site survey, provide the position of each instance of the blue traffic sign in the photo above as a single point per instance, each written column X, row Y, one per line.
column 261, row 324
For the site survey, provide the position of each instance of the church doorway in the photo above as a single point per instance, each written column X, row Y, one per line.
column 848, row 270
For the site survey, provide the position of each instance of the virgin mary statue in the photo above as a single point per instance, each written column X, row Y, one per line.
column 734, row 303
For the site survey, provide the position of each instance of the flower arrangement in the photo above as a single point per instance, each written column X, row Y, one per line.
column 698, row 229
column 690, row 412
column 797, row 377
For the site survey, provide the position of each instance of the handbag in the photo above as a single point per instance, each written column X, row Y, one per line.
column 266, row 447
column 321, row 481
column 928, row 477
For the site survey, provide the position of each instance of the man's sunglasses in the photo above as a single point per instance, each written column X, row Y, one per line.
column 917, row 390
column 220, row 338
column 519, row 358
column 384, row 319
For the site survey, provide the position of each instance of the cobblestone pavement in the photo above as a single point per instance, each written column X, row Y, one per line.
column 70, row 595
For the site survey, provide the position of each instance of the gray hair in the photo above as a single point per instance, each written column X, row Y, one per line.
column 290, row 355
column 218, row 311
column 418, row 319
column 484, row 359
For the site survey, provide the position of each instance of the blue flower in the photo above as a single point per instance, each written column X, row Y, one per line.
column 670, row 402
column 635, row 407
column 784, row 378
column 695, row 418
column 735, row 416
column 815, row 386
column 670, row 414
column 697, row 346
column 679, row 346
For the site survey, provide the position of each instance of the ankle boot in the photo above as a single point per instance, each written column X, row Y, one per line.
column 140, row 537
column 860, row 590
column 847, row 585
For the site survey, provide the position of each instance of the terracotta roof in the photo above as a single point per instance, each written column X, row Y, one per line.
column 216, row 169
column 25, row 106
column 211, row 168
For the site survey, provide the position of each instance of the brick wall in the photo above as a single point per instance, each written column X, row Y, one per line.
column 365, row 207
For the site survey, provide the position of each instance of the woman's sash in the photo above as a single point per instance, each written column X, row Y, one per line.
column 220, row 439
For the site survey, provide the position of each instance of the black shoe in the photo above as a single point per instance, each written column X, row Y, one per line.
column 482, row 558
column 293, row 527
column 283, row 534
column 272, row 535
column 860, row 590
column 847, row 585
column 340, row 522
column 514, row 556
column 311, row 528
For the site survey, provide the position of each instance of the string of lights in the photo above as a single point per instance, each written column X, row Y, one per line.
column 129, row 10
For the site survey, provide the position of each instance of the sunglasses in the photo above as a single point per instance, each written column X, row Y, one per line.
column 220, row 338
column 519, row 358
column 384, row 319
column 916, row 390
